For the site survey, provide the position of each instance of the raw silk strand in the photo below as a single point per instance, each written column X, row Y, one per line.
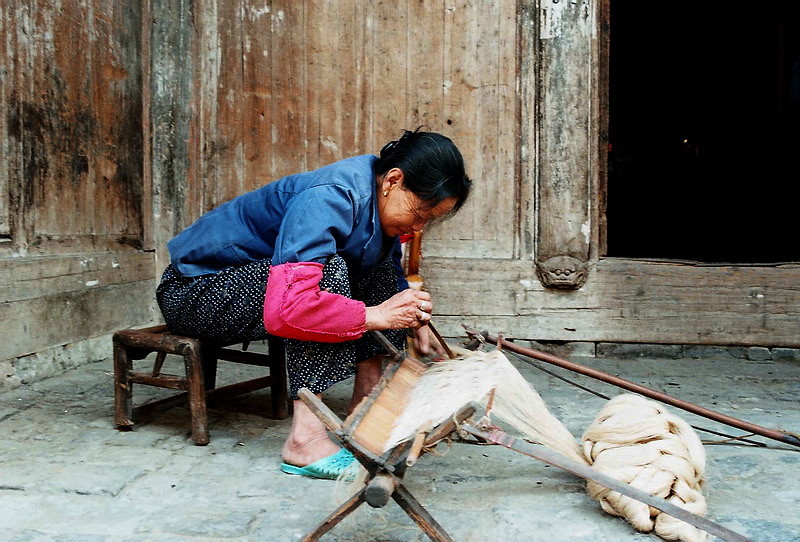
column 632, row 439
column 449, row 385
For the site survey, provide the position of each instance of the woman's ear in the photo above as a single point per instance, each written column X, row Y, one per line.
column 392, row 179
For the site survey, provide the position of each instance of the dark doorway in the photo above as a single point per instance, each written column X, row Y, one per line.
column 704, row 131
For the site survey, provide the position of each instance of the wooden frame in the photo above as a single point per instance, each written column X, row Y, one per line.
column 563, row 49
column 365, row 431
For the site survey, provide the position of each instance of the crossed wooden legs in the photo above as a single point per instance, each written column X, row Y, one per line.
column 385, row 478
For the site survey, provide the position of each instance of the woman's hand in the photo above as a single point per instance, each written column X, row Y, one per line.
column 425, row 341
column 407, row 309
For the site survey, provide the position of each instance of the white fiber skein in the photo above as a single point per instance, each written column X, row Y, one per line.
column 637, row 441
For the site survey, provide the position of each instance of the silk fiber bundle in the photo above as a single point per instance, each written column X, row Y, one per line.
column 638, row 442
column 632, row 439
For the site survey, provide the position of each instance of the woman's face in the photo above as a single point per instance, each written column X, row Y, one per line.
column 400, row 210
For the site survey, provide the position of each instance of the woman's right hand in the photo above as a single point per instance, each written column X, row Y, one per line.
column 407, row 309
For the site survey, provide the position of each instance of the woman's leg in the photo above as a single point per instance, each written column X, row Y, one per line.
column 308, row 439
column 373, row 289
column 368, row 374
column 228, row 307
column 316, row 367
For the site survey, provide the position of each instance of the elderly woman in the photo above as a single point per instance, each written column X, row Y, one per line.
column 315, row 258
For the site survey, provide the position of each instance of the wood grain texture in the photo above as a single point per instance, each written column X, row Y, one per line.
column 29, row 278
column 623, row 301
column 9, row 152
column 74, row 212
column 64, row 317
column 169, row 89
column 375, row 428
column 284, row 87
column 75, row 120
column 566, row 139
column 479, row 107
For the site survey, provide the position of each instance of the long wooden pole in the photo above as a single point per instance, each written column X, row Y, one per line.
column 553, row 458
column 642, row 390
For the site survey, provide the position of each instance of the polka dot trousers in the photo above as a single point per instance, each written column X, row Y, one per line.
column 228, row 308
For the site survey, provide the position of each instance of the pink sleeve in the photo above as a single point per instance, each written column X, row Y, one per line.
column 295, row 307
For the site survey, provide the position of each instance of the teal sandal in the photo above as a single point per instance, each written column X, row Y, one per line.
column 328, row 468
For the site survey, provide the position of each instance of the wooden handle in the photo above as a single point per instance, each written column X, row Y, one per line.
column 414, row 253
column 379, row 490
column 441, row 341
column 416, row 448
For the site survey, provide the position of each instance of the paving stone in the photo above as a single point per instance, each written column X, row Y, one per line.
column 764, row 531
column 702, row 351
column 628, row 351
column 72, row 476
column 211, row 525
column 786, row 354
column 82, row 538
column 10, row 379
column 25, row 536
column 92, row 479
column 758, row 353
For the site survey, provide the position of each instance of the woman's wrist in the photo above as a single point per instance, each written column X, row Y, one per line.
column 374, row 319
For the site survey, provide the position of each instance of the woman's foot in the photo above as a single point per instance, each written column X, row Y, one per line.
column 368, row 374
column 308, row 440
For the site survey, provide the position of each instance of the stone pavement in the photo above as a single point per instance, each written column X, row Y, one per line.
column 66, row 474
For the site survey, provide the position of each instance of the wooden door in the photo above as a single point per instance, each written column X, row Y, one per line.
column 561, row 287
column 73, row 200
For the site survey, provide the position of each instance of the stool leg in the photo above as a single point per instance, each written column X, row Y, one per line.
column 280, row 383
column 210, row 367
column 123, row 388
column 193, row 361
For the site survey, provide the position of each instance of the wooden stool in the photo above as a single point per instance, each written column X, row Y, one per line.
column 200, row 361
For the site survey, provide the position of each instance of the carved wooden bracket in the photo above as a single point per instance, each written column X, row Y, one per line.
column 566, row 141
column 564, row 272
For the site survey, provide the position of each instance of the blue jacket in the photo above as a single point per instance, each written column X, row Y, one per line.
column 300, row 218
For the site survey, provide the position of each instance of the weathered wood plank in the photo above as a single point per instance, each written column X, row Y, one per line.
column 30, row 278
column 566, row 138
column 390, row 102
column 201, row 192
column 84, row 134
column 19, row 28
column 474, row 286
column 528, row 126
column 170, row 87
column 148, row 214
column 363, row 137
column 257, row 59
column 479, row 81
column 623, row 301
column 478, row 112
column 36, row 324
column 8, row 151
column 425, row 55
column 228, row 157
column 289, row 66
column 331, row 97
column 600, row 231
